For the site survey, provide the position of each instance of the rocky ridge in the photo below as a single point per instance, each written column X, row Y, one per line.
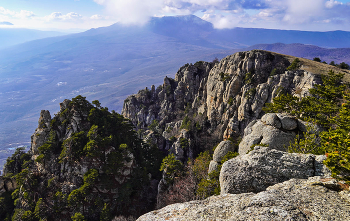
column 219, row 99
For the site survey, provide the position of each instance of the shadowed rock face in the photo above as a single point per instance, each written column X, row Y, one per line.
column 296, row 199
column 264, row 167
column 7, row 185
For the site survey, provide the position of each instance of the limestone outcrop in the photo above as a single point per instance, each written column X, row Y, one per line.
column 264, row 167
column 315, row 198
column 219, row 99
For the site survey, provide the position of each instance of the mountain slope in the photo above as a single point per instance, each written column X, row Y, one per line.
column 13, row 36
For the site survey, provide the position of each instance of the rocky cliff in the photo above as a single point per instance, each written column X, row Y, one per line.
column 214, row 101
column 211, row 102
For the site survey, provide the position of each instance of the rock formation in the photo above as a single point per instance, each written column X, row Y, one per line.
column 220, row 99
column 220, row 151
column 264, row 167
column 274, row 130
column 296, row 199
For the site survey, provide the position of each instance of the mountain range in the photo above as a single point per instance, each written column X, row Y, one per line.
column 112, row 62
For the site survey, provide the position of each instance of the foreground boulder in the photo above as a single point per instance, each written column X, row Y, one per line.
column 296, row 199
column 264, row 167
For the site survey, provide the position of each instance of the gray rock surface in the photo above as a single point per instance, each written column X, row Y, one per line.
column 288, row 122
column 42, row 132
column 297, row 199
column 275, row 130
column 222, row 149
column 264, row 167
column 213, row 166
column 272, row 120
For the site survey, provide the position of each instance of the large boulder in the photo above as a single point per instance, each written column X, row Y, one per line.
column 220, row 151
column 264, row 167
column 296, row 199
column 275, row 130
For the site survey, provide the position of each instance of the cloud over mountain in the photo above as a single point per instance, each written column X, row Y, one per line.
column 294, row 14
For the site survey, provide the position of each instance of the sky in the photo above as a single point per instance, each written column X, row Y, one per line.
column 79, row 15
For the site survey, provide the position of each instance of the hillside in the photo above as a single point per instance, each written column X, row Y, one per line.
column 88, row 162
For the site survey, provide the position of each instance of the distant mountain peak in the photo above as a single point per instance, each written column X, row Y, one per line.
column 180, row 20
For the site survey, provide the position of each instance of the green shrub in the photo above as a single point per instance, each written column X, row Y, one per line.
column 153, row 126
column 273, row 72
column 201, row 165
column 171, row 167
column 224, row 76
column 186, row 123
column 209, row 185
column 229, row 156
column 250, row 93
column 317, row 59
column 230, row 101
column 308, row 143
column 329, row 106
column 248, row 79
column 183, row 143
column 295, row 65
column 78, row 217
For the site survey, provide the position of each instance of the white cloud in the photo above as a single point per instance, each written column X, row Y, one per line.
column 286, row 14
column 139, row 11
column 231, row 13
column 96, row 17
column 332, row 3
column 132, row 11
column 300, row 11
column 23, row 14
column 59, row 16
column 6, row 11
column 220, row 21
